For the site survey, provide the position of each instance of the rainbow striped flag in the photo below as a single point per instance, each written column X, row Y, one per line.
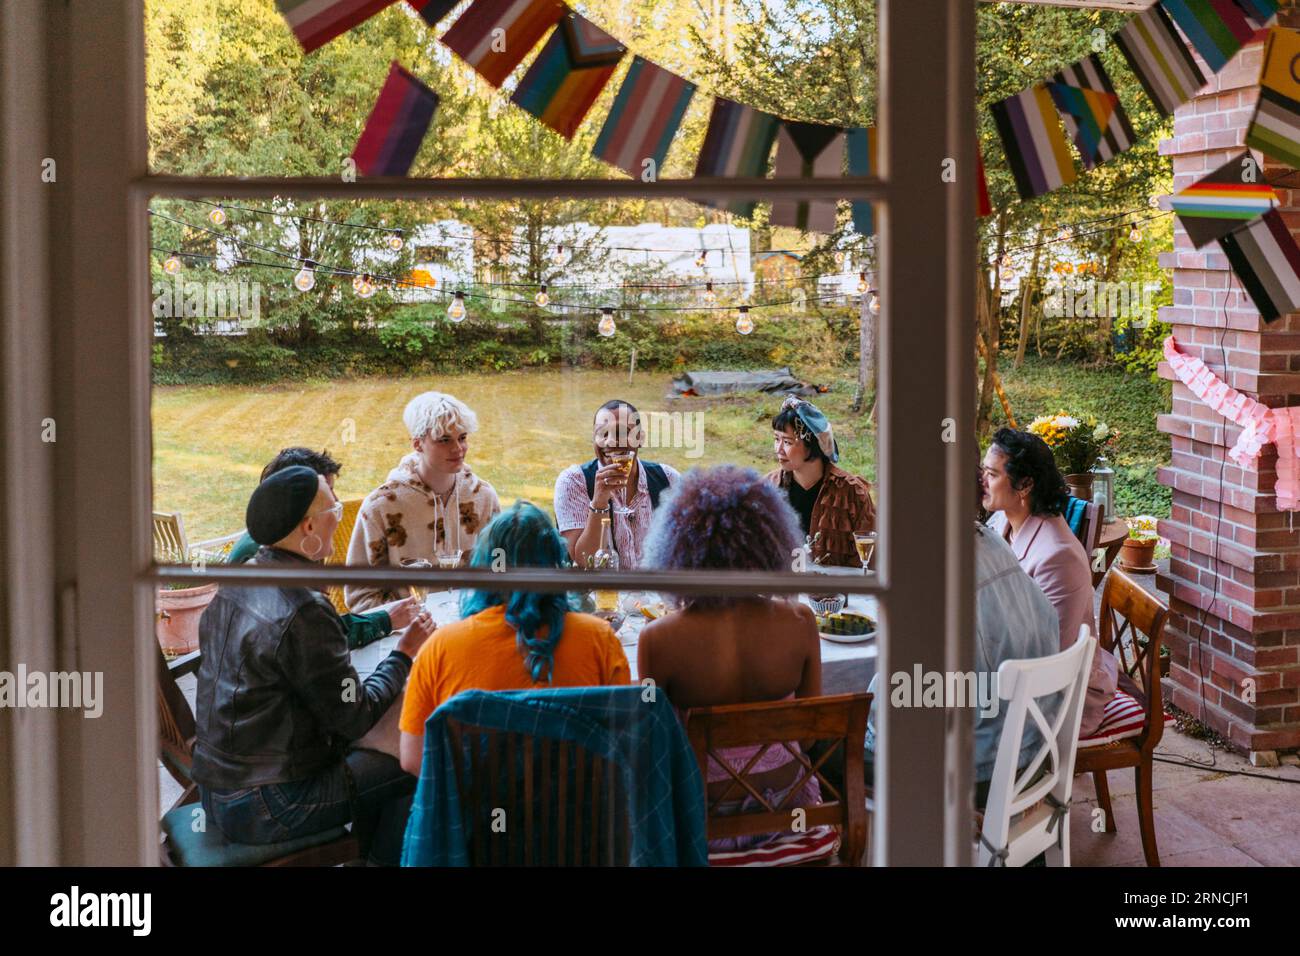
column 807, row 151
column 1033, row 141
column 396, row 125
column 567, row 76
column 1266, row 259
column 1258, row 12
column 737, row 143
column 1217, row 28
column 316, row 22
column 1275, row 127
column 431, row 11
column 1091, row 111
column 860, row 147
column 523, row 22
column 1234, row 193
column 1159, row 59
column 646, row 114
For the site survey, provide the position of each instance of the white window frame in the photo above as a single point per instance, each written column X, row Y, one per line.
column 92, row 554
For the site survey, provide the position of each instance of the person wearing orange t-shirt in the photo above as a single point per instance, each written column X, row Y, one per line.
column 512, row 640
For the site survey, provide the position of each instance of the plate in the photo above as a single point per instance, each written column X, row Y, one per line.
column 852, row 638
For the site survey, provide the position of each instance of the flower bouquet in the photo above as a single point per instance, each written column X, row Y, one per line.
column 1076, row 444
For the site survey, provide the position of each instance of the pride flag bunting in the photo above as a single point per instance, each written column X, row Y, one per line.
column 860, row 147
column 1159, row 59
column 737, row 143
column 1275, row 127
column 1266, row 259
column 396, row 125
column 1091, row 111
column 1234, row 193
column 1258, row 12
column 432, row 11
column 646, row 114
column 807, row 151
column 316, row 22
column 476, row 40
column 1033, row 141
column 567, row 76
column 1216, row 28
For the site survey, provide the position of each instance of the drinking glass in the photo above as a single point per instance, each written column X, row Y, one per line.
column 624, row 461
column 418, row 591
column 866, row 545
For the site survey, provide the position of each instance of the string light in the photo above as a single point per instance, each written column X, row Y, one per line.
column 863, row 286
column 456, row 311
column 606, row 325
column 305, row 280
column 744, row 324
column 558, row 258
column 363, row 286
column 1134, row 233
column 874, row 306
column 710, row 296
column 839, row 257
column 172, row 264
column 702, row 258
column 218, row 216
column 395, row 241
column 542, row 298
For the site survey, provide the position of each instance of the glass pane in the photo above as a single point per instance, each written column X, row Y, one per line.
column 231, row 92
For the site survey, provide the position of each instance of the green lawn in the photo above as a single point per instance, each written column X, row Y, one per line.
column 210, row 442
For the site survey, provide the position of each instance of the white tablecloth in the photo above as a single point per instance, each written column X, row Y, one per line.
column 846, row 668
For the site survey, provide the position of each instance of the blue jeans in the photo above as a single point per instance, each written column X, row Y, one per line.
column 276, row 812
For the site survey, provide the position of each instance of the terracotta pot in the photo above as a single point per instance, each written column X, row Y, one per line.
column 1080, row 485
column 176, row 617
column 1136, row 555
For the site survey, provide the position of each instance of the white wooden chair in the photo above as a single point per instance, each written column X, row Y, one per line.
column 171, row 546
column 1028, row 813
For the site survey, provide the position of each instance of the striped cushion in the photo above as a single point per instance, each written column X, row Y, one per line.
column 784, row 849
column 1125, row 716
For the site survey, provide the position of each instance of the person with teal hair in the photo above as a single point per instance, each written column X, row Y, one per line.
column 510, row 640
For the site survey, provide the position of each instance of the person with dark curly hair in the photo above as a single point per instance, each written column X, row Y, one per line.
column 831, row 503
column 1027, row 495
column 731, row 650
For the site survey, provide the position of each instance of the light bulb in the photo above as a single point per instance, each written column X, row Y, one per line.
column 875, row 304
column 456, row 311
column 305, row 280
column 839, row 257
column 1005, row 263
column 542, row 298
column 218, row 216
column 862, row 282
column 744, row 324
column 558, row 258
column 395, row 242
column 1134, row 233
column 606, row 326
column 172, row 264
column 701, row 259
column 363, row 286
column 710, row 296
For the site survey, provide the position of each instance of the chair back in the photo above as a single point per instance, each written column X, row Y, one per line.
column 1127, row 610
column 169, row 542
column 176, row 732
column 537, row 801
column 1038, row 796
column 339, row 554
column 840, row 721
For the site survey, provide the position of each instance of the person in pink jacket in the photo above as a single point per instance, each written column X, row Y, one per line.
column 1027, row 495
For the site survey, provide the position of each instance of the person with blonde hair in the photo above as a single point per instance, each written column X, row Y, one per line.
column 431, row 505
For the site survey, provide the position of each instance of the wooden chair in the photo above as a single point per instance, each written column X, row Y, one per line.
column 339, row 555
column 169, row 542
column 1127, row 609
column 841, row 721
column 1028, row 811
column 537, row 801
column 183, row 844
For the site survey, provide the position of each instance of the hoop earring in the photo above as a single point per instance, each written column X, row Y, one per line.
column 315, row 548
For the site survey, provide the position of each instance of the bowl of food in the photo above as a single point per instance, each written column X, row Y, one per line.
column 826, row 604
column 846, row 627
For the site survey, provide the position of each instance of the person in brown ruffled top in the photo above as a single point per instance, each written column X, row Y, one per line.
column 831, row 503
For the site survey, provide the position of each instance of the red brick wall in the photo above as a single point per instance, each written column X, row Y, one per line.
column 1246, row 585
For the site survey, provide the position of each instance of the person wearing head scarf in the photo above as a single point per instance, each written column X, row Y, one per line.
column 832, row 504
column 278, row 701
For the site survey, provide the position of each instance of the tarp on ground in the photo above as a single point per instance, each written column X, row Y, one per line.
column 705, row 384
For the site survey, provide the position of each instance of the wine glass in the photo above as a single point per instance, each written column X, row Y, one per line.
column 624, row 461
column 418, row 591
column 866, row 545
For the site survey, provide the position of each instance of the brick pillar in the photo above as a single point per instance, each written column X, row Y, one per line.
column 1246, row 585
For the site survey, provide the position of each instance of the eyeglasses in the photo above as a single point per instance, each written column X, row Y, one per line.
column 336, row 511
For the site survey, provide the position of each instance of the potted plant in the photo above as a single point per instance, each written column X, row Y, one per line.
column 1076, row 444
column 177, row 609
column 1139, row 547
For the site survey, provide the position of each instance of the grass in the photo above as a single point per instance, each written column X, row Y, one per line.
column 210, row 442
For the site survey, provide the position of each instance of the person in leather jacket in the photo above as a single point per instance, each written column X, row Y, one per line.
column 279, row 702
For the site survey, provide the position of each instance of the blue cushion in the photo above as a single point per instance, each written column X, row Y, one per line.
column 1075, row 509
column 210, row 848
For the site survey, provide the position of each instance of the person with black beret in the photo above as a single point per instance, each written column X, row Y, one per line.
column 279, row 702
